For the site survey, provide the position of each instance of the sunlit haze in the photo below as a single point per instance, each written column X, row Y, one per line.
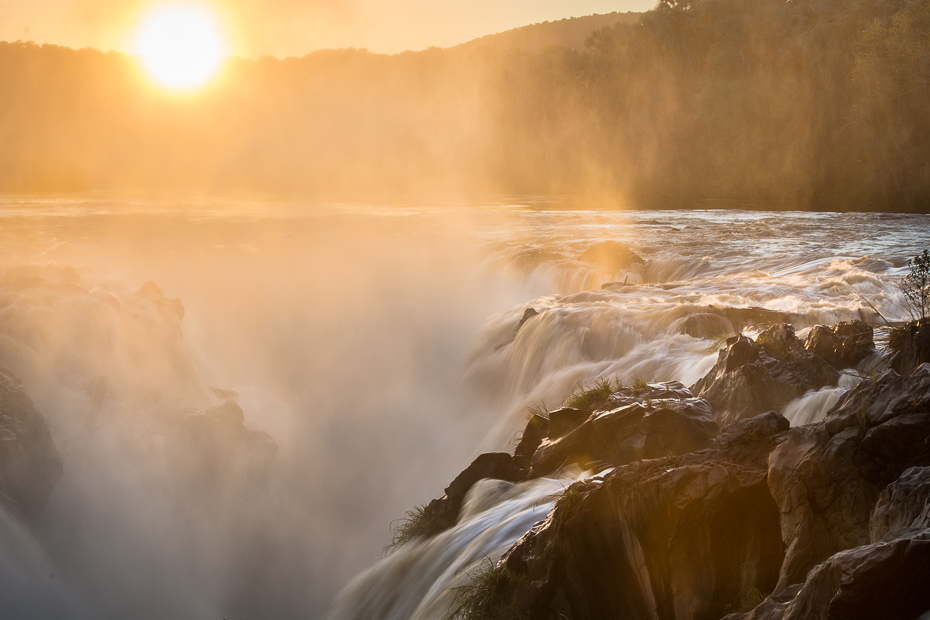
column 179, row 45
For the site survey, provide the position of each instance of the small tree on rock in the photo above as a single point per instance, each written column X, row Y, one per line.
column 916, row 286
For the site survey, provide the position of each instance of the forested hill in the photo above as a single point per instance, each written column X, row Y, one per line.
column 571, row 33
column 813, row 104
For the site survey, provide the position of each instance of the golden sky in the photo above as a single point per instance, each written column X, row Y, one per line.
column 295, row 27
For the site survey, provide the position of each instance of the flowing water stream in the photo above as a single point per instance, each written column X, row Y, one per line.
column 378, row 347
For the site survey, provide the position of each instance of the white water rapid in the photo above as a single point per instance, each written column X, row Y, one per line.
column 378, row 348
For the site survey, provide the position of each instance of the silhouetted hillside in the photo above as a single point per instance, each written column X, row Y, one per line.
column 570, row 32
column 817, row 104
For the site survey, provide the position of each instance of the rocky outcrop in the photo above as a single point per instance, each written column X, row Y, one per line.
column 826, row 478
column 912, row 342
column 844, row 345
column 677, row 537
column 611, row 254
column 886, row 580
column 441, row 514
column 637, row 430
column 29, row 462
column 751, row 377
column 903, row 504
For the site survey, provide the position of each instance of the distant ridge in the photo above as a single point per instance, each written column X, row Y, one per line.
column 570, row 32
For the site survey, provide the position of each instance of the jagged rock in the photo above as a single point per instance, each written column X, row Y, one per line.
column 648, row 429
column 826, row 478
column 676, row 537
column 704, row 325
column 755, row 376
column 442, row 513
column 913, row 347
column 885, row 580
column 564, row 420
column 537, row 429
column 611, row 254
column 903, row 504
column 29, row 462
column 844, row 345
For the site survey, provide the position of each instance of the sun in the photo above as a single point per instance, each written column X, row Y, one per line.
column 180, row 45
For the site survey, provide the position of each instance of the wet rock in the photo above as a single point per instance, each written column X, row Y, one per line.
column 876, row 581
column 611, row 254
column 913, row 344
column 676, row 537
column 442, row 513
column 903, row 504
column 704, row 325
column 751, row 377
column 537, row 429
column 844, row 345
column 563, row 420
column 29, row 462
column 645, row 429
column 826, row 478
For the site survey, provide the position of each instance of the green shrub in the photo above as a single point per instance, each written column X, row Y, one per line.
column 589, row 398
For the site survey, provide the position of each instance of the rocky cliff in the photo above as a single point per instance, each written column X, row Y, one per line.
column 713, row 506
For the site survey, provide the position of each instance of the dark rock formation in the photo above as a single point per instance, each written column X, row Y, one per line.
column 826, row 478
column 913, row 347
column 442, row 513
column 537, row 429
column 903, row 504
column 677, row 537
column 640, row 430
column 704, row 325
column 611, row 254
column 755, row 376
column 29, row 462
column 844, row 345
column 880, row 581
column 566, row 419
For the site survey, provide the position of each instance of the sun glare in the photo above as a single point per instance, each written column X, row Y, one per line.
column 180, row 46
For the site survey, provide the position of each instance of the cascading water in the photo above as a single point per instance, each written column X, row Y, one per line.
column 343, row 332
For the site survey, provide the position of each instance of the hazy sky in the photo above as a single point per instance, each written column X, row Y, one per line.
column 295, row 27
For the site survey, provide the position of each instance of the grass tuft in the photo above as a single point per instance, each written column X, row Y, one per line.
column 415, row 524
column 539, row 409
column 639, row 385
column 490, row 594
column 717, row 343
column 589, row 398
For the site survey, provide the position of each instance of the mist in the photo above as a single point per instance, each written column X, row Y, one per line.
column 341, row 336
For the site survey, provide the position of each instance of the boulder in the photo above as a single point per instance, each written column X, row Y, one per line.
column 442, row 513
column 29, row 462
column 566, row 419
column 537, row 429
column 675, row 537
column 751, row 377
column 611, row 254
column 876, row 581
column 704, row 325
column 913, row 347
column 826, row 478
column 903, row 504
column 844, row 345
column 640, row 430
